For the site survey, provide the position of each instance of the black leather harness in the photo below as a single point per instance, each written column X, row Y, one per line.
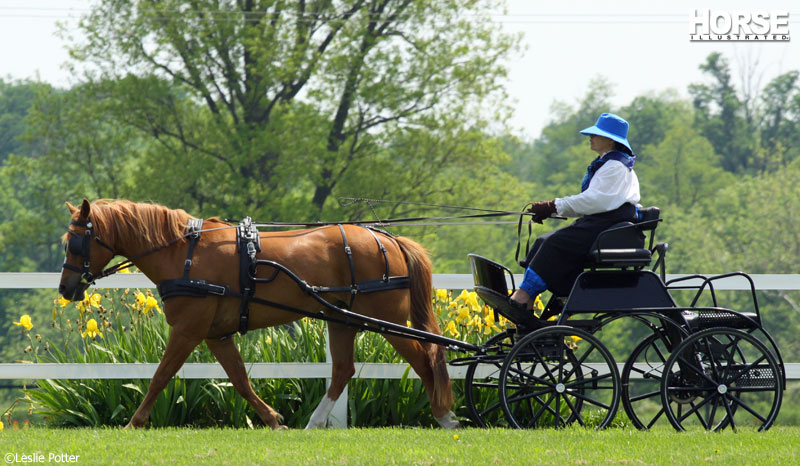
column 248, row 243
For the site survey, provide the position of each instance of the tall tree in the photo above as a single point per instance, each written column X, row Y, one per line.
column 15, row 100
column 780, row 124
column 682, row 169
column 287, row 99
column 720, row 115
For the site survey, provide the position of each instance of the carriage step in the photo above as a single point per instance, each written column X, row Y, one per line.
column 501, row 304
column 712, row 319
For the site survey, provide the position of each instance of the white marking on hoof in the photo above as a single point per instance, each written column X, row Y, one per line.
column 449, row 421
column 319, row 420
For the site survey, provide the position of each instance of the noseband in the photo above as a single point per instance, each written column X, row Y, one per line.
column 79, row 245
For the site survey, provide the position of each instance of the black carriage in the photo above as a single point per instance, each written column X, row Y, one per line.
column 710, row 367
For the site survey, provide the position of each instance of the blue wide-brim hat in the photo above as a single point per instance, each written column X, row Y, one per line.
column 611, row 126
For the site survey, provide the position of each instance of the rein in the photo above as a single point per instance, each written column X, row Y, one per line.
column 87, row 277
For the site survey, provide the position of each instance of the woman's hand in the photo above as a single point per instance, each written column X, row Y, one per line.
column 542, row 210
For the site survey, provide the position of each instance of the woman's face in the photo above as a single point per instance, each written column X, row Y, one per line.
column 600, row 144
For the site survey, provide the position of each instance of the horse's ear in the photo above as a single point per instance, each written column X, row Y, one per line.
column 72, row 208
column 85, row 208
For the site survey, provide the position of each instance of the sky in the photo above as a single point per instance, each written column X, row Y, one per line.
column 640, row 47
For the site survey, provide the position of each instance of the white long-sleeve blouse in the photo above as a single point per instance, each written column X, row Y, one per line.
column 612, row 185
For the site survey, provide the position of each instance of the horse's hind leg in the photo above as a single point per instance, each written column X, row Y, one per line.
column 341, row 342
column 415, row 354
column 179, row 346
column 231, row 360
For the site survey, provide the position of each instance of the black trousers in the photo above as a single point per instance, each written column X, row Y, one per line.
column 558, row 256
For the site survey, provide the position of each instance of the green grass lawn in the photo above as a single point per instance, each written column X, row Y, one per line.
column 780, row 445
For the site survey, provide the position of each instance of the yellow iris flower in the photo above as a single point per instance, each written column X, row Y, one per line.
column 25, row 322
column 92, row 330
column 61, row 301
column 141, row 299
column 151, row 303
column 472, row 301
column 463, row 295
column 452, row 330
column 441, row 294
column 463, row 314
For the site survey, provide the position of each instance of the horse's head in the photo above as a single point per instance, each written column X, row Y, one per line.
column 82, row 262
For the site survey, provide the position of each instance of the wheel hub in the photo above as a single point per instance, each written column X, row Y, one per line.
column 560, row 388
column 722, row 389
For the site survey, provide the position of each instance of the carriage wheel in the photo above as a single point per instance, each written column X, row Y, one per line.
column 482, row 382
column 556, row 376
column 641, row 382
column 720, row 377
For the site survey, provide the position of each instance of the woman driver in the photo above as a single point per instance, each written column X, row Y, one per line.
column 609, row 194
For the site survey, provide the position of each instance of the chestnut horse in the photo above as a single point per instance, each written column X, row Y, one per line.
column 316, row 255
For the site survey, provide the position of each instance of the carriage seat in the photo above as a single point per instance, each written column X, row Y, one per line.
column 623, row 245
column 491, row 285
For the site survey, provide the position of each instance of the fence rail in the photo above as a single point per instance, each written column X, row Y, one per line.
column 39, row 280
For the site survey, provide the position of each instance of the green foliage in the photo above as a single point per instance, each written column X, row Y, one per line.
column 290, row 105
column 682, row 169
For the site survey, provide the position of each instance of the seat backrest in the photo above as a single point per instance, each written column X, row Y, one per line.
column 623, row 245
column 647, row 217
column 490, row 274
column 623, row 235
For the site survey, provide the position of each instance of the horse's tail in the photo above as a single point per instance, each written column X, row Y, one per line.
column 422, row 317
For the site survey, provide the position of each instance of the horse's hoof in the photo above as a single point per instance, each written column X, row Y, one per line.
column 449, row 421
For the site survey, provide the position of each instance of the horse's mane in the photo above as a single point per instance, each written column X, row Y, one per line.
column 138, row 224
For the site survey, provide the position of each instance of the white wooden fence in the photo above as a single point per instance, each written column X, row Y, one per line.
column 287, row 370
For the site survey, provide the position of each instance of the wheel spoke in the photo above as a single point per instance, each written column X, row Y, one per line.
column 752, row 389
column 544, row 365
column 575, row 411
column 580, row 383
column 538, row 414
column 530, row 376
column 747, row 408
column 644, row 395
column 590, row 400
column 557, row 416
column 658, row 352
column 694, row 410
column 519, row 396
column 658, row 415
column 491, row 408
column 729, row 411
column 710, row 420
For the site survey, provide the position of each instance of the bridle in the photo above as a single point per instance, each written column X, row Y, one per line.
column 80, row 245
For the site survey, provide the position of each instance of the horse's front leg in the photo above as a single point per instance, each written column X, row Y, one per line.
column 179, row 346
column 231, row 360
